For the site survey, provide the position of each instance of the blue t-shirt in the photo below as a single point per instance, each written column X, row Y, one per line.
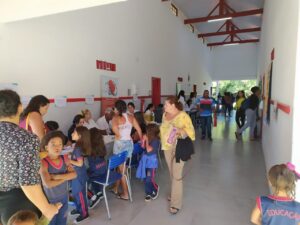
column 206, row 105
column 155, row 143
column 278, row 210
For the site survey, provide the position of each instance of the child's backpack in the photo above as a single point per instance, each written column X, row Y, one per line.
column 245, row 104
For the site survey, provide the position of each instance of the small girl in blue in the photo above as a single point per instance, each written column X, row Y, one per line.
column 279, row 208
column 97, row 165
column 81, row 136
column 56, row 171
column 149, row 163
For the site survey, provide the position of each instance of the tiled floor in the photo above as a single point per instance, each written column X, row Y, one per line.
column 220, row 187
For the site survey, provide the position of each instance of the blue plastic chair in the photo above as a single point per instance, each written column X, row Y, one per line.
column 137, row 151
column 112, row 176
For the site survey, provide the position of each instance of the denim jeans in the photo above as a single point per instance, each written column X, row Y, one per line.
column 206, row 122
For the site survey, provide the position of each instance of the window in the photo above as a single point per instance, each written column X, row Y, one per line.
column 174, row 9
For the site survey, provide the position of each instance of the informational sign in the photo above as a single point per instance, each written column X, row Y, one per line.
column 25, row 100
column 89, row 99
column 60, row 101
column 102, row 65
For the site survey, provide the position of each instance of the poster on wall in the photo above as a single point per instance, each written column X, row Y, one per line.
column 109, row 87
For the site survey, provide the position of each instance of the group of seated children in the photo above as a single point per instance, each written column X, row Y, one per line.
column 85, row 163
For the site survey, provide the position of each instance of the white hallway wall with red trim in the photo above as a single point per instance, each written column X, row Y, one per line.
column 56, row 55
column 280, row 31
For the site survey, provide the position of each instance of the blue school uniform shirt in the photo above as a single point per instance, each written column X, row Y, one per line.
column 79, row 183
column 97, row 166
column 206, row 105
column 59, row 192
column 148, row 160
column 278, row 210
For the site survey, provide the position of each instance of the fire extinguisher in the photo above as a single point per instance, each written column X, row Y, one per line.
column 215, row 119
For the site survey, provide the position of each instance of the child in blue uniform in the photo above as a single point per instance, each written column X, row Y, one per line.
column 81, row 136
column 149, row 163
column 279, row 208
column 97, row 165
column 56, row 171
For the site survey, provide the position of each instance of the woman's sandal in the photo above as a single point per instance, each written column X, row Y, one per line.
column 173, row 210
column 122, row 198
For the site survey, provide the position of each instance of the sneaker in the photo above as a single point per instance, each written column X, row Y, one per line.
column 95, row 200
column 74, row 212
column 80, row 219
column 148, row 198
column 155, row 194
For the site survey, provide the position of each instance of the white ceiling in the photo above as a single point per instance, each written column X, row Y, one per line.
column 201, row 8
column 13, row 10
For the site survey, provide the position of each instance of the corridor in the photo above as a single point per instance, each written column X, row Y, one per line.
column 220, row 186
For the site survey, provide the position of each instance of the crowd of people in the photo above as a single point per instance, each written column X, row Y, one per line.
column 42, row 179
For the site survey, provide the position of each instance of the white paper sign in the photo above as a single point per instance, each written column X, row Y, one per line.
column 60, row 101
column 89, row 99
column 25, row 100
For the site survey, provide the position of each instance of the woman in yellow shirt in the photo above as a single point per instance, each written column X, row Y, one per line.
column 240, row 113
column 175, row 124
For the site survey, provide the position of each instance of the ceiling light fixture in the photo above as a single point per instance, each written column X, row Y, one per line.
column 221, row 19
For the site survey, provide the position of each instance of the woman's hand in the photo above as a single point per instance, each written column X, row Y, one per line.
column 181, row 133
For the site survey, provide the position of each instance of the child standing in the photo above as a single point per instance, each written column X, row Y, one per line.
column 55, row 172
column 82, row 148
column 149, row 163
column 97, row 165
column 279, row 208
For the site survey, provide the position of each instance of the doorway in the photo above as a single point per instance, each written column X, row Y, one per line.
column 156, row 91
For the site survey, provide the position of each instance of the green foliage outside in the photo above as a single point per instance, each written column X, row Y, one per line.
column 234, row 86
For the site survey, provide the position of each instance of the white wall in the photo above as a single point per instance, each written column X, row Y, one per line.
column 296, row 119
column 279, row 31
column 237, row 62
column 56, row 55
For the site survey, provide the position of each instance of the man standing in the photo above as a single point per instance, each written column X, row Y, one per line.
column 205, row 106
column 104, row 122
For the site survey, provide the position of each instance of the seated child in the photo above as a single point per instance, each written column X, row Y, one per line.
column 23, row 217
column 280, row 208
column 56, row 171
column 149, row 162
column 96, row 165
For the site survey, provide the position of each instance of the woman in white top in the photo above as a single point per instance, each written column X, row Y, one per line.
column 122, row 124
column 89, row 123
column 181, row 97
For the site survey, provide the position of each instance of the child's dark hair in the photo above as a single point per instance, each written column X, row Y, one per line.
column 131, row 104
column 77, row 119
column 34, row 105
column 84, row 142
column 149, row 107
column 282, row 179
column 152, row 131
column 23, row 216
column 52, row 125
column 255, row 89
column 97, row 143
column 50, row 135
column 120, row 105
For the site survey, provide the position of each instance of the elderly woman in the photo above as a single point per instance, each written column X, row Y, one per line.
column 20, row 187
column 175, row 124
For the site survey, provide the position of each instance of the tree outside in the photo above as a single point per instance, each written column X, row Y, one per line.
column 233, row 86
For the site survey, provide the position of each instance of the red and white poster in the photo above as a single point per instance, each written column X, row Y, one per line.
column 109, row 87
